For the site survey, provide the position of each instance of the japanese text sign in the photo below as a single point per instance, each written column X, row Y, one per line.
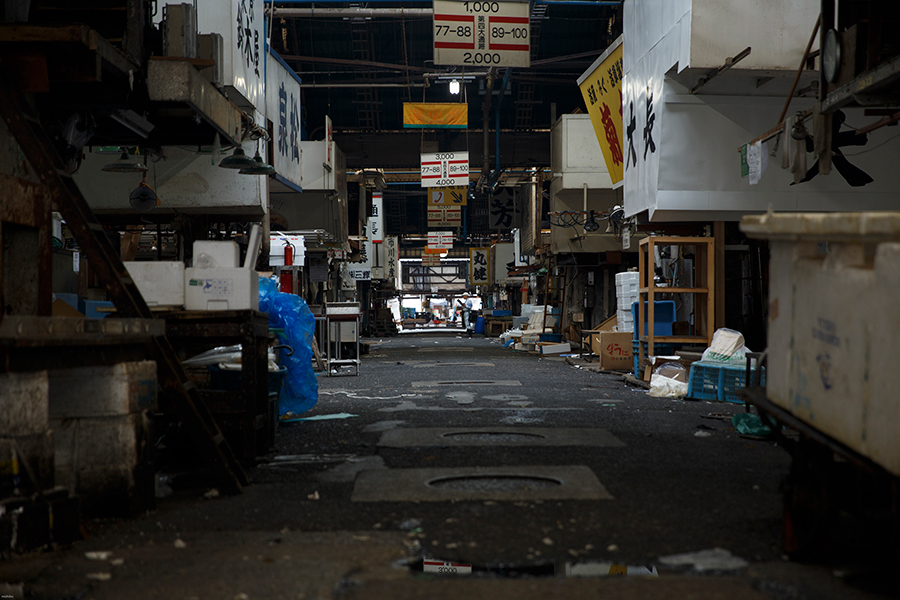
column 376, row 221
column 283, row 104
column 479, row 266
column 601, row 88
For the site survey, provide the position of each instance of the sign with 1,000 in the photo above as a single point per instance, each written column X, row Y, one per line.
column 482, row 33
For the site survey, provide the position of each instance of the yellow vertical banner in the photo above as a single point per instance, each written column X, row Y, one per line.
column 601, row 88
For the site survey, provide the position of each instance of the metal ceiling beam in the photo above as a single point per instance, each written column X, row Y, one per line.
column 353, row 63
column 391, row 13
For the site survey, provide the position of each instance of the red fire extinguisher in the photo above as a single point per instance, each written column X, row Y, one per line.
column 286, row 281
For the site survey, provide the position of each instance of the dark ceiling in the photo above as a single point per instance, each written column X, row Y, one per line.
column 360, row 70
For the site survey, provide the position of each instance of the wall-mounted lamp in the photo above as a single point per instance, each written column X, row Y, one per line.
column 260, row 168
column 238, row 160
column 454, row 86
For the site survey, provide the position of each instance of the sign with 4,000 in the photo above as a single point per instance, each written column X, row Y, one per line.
column 444, row 169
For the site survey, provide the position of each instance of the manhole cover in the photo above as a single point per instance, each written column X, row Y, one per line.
column 494, row 483
column 491, row 436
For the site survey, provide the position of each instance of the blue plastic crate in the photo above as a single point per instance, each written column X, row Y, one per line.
column 718, row 382
column 659, row 348
column 663, row 317
column 550, row 337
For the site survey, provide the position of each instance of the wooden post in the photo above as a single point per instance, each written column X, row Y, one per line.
column 719, row 296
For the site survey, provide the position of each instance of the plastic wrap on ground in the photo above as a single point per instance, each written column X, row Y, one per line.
column 291, row 313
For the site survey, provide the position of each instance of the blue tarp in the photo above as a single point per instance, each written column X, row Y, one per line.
column 291, row 314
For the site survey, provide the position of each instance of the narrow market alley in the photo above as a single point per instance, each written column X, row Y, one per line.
column 454, row 467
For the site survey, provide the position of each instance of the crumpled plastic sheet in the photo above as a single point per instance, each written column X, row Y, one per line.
column 749, row 424
column 667, row 387
column 291, row 314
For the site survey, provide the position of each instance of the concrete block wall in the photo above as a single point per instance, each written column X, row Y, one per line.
column 101, row 429
column 27, row 450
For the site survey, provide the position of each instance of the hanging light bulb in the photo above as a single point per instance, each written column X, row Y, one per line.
column 454, row 86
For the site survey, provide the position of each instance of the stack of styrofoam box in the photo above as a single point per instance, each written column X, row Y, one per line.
column 626, row 294
column 101, row 434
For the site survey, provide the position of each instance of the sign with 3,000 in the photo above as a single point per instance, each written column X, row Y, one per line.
column 444, row 169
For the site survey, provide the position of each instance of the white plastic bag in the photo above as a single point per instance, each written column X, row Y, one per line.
column 727, row 347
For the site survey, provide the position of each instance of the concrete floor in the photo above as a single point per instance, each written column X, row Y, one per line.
column 679, row 480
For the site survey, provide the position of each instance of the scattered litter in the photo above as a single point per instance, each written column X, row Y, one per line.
column 547, row 541
column 99, row 576
column 717, row 416
column 213, row 493
column 179, row 543
column 99, row 555
column 702, row 434
column 117, row 562
column 320, row 418
column 314, row 495
column 749, row 424
column 611, row 548
column 410, row 524
column 717, row 559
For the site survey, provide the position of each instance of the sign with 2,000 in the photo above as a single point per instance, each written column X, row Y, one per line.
column 482, row 33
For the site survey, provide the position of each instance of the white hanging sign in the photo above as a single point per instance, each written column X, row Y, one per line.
column 482, row 33
column 444, row 169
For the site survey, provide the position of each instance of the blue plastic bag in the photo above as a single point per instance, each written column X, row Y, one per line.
column 291, row 313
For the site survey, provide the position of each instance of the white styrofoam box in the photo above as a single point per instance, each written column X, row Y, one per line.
column 627, row 277
column 277, row 247
column 161, row 283
column 24, row 403
column 833, row 324
column 221, row 289
column 624, row 320
column 627, row 288
column 213, row 254
column 102, row 391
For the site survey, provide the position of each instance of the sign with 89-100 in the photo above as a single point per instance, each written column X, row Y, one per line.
column 482, row 33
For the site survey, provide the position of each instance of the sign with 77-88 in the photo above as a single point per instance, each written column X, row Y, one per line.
column 482, row 33
column 445, row 169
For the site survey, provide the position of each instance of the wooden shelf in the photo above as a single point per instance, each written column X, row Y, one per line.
column 703, row 278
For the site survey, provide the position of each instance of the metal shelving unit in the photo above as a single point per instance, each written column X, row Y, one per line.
column 337, row 315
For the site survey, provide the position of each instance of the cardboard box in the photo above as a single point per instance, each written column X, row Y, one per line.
column 614, row 349
column 554, row 347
